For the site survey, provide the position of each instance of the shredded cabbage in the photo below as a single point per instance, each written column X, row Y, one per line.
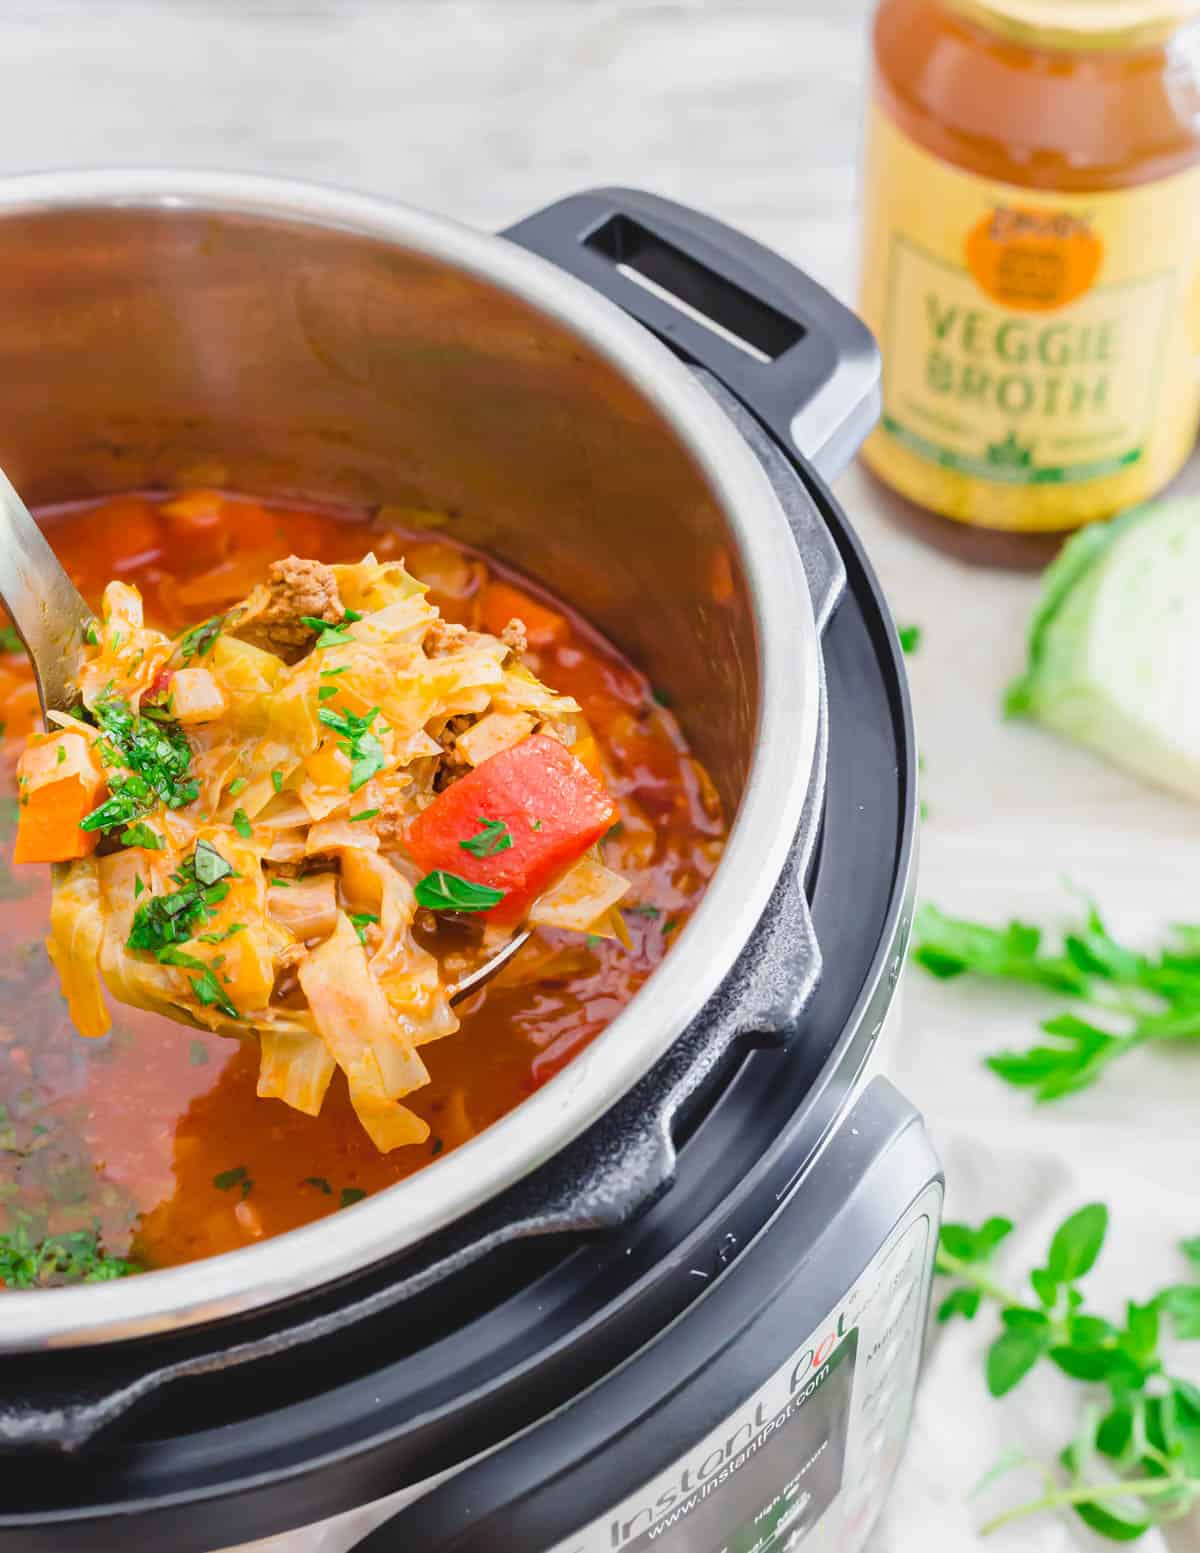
column 271, row 895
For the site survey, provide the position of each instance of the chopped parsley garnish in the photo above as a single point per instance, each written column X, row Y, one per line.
column 241, row 823
column 90, row 635
column 357, row 742
column 226, row 1180
column 138, row 886
column 535, row 824
column 327, row 692
column 157, row 759
column 321, row 1184
column 494, row 837
column 61, row 755
column 75, row 1257
column 652, row 912
column 333, row 673
column 360, row 919
column 208, row 864
column 238, row 786
column 364, row 814
column 277, row 781
column 442, row 891
column 199, row 639
column 205, row 985
column 436, row 1147
column 331, row 635
column 669, row 927
column 228, row 932
column 279, row 884
column 173, row 918
column 351, row 1194
column 139, row 834
column 10, row 641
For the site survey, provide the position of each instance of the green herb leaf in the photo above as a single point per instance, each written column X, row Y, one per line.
column 156, row 761
column 199, row 640
column 351, row 1194
column 74, row 1257
column 228, row 1179
column 219, row 938
column 241, row 824
column 364, row 814
column 361, row 919
column 207, row 988
column 277, row 781
column 960, row 1302
column 442, row 891
column 1077, row 1243
column 238, row 786
column 321, row 1184
column 910, row 638
column 208, row 864
column 493, row 836
column 331, row 635
column 1013, row 1355
column 139, row 834
column 1181, row 1302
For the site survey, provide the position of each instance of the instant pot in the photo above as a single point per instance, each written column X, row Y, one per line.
column 675, row 1299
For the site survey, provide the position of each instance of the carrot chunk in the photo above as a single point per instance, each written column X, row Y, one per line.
column 500, row 602
column 514, row 823
column 60, row 783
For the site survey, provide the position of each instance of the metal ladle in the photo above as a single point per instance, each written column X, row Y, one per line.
column 50, row 614
column 52, row 619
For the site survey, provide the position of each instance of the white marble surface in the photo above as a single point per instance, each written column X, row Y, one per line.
column 749, row 109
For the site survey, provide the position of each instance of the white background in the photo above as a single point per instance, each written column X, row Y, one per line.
column 752, row 111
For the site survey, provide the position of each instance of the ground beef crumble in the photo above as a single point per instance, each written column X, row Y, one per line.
column 294, row 587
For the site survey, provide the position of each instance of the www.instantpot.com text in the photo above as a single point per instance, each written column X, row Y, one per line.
column 704, row 1473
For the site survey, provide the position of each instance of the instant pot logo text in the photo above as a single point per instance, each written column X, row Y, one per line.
column 703, row 1475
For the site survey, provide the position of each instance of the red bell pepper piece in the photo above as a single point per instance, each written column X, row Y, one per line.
column 552, row 810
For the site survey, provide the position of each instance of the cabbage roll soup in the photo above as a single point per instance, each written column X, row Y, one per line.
column 323, row 765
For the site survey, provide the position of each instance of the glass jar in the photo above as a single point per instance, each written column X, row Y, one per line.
column 1031, row 248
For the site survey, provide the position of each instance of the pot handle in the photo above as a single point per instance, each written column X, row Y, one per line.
column 803, row 363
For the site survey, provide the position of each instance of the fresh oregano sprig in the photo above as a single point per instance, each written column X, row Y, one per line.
column 1131, row 998
column 1135, row 1459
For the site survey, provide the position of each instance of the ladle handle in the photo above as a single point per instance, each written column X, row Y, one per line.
column 46, row 608
column 789, row 350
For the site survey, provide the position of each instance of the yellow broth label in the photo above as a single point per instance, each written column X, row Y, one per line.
column 1039, row 362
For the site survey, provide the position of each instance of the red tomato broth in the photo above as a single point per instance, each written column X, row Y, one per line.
column 154, row 1134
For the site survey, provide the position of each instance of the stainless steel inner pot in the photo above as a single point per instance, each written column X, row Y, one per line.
column 280, row 339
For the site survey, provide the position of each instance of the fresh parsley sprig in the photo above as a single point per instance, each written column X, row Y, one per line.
column 1135, row 1459
column 1132, row 998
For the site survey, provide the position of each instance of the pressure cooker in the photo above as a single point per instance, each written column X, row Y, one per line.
column 677, row 1297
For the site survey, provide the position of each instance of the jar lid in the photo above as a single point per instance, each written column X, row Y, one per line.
column 1080, row 24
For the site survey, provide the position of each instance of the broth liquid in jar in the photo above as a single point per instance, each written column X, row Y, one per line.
column 1030, row 262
